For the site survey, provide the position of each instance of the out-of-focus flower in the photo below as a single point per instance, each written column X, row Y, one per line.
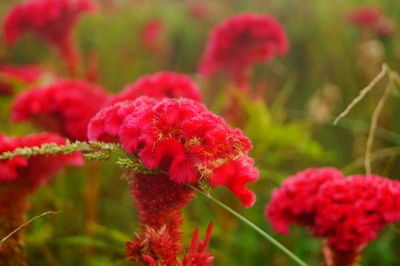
column 19, row 178
column 371, row 18
column 346, row 212
column 27, row 174
column 199, row 10
column 160, row 85
column 295, row 200
column 241, row 41
column 65, row 106
column 323, row 103
column 51, row 20
column 9, row 74
column 151, row 34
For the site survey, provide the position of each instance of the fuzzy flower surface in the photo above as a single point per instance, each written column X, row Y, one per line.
column 10, row 74
column 65, row 106
column 371, row 18
column 183, row 138
column 241, row 41
column 160, row 85
column 347, row 212
column 52, row 20
column 22, row 175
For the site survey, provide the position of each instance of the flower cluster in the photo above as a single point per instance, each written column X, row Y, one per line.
column 371, row 18
column 65, row 106
column 240, row 41
column 21, row 175
column 183, row 138
column 50, row 20
column 10, row 73
column 347, row 212
column 160, row 85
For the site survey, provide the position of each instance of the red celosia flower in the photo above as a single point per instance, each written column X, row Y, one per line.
column 65, row 106
column 25, row 175
column 192, row 144
column 49, row 19
column 371, row 18
column 350, row 212
column 160, row 85
column 151, row 34
column 9, row 73
column 295, row 200
column 347, row 212
column 239, row 42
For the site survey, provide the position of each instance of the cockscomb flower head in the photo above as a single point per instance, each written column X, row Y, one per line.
column 370, row 17
column 23, row 175
column 182, row 137
column 9, row 74
column 160, row 85
column 351, row 211
column 241, row 41
column 346, row 212
column 294, row 201
column 52, row 20
column 65, row 106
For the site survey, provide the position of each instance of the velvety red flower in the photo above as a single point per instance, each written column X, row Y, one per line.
column 11, row 73
column 295, row 200
column 351, row 211
column 160, row 85
column 151, row 34
column 347, row 212
column 25, row 175
column 370, row 17
column 241, row 41
column 65, row 106
column 50, row 20
column 182, row 137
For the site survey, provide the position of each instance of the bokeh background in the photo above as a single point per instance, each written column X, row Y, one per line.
column 289, row 122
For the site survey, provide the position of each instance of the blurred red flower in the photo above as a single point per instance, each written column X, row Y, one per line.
column 10, row 73
column 241, row 41
column 50, row 20
column 160, row 85
column 371, row 18
column 347, row 212
column 21, row 176
column 65, row 106
column 151, row 34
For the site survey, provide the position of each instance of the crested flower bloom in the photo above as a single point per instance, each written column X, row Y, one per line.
column 20, row 177
column 151, row 34
column 160, row 85
column 65, row 106
column 189, row 145
column 53, row 21
column 241, row 41
column 346, row 212
column 371, row 18
column 9, row 74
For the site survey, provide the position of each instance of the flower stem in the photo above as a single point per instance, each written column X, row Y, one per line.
column 253, row 226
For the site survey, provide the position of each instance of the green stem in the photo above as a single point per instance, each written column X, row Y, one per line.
column 253, row 226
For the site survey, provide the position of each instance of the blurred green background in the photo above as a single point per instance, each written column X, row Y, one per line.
column 290, row 125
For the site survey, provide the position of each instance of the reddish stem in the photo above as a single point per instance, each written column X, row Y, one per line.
column 334, row 257
column 12, row 215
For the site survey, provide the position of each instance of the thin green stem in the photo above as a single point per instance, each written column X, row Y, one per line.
column 253, row 226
